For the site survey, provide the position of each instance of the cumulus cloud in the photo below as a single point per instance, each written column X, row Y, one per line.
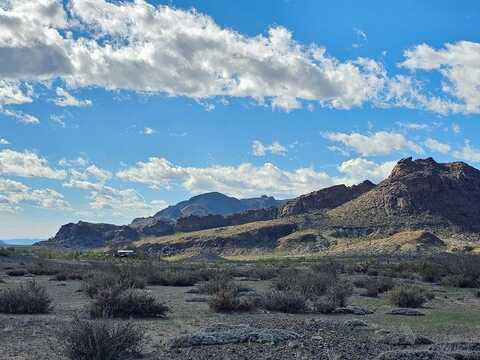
column 468, row 153
column 358, row 170
column 141, row 47
column 247, row 180
column 4, row 141
column 14, row 193
column 459, row 65
column 437, row 146
column 260, row 149
column 64, row 98
column 379, row 143
column 27, row 164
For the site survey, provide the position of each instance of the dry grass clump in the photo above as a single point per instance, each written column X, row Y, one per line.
column 101, row 340
column 308, row 283
column 29, row 298
column 67, row 275
column 227, row 300
column 378, row 285
column 173, row 277
column 16, row 272
column 218, row 282
column 99, row 281
column 131, row 303
column 408, row 296
column 284, row 301
column 336, row 296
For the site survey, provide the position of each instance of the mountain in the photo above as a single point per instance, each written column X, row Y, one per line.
column 328, row 198
column 418, row 194
column 214, row 203
column 22, row 242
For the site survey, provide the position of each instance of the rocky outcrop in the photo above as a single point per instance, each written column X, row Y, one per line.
column 89, row 235
column 419, row 194
column 328, row 198
column 152, row 227
column 221, row 334
column 195, row 223
column 252, row 215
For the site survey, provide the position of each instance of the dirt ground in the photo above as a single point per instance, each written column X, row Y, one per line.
column 454, row 315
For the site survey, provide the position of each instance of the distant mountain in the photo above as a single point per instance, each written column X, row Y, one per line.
column 18, row 242
column 215, row 203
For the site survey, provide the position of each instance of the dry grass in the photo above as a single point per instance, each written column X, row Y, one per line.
column 28, row 298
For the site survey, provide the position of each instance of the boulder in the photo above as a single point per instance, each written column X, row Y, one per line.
column 405, row 312
column 221, row 334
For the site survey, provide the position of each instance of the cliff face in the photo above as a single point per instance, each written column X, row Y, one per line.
column 418, row 194
column 88, row 235
column 328, row 198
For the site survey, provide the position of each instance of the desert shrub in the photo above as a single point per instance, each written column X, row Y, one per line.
column 460, row 281
column 378, row 285
column 226, row 300
column 409, row 296
column 29, row 298
column 308, row 283
column 220, row 282
column 173, row 277
column 338, row 294
column 64, row 276
column 430, row 272
column 97, row 281
column 100, row 340
column 16, row 272
column 284, row 301
column 41, row 269
column 262, row 272
column 329, row 266
column 4, row 252
column 119, row 303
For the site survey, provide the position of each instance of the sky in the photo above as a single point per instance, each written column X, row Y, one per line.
column 111, row 110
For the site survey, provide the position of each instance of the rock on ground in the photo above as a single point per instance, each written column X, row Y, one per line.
column 231, row 334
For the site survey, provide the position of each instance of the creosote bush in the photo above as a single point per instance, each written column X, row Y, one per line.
column 309, row 284
column 29, row 298
column 172, row 277
column 284, row 301
column 100, row 340
column 408, row 296
column 119, row 303
column 226, row 300
column 218, row 282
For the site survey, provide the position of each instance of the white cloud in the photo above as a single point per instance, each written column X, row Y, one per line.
column 360, row 169
column 379, row 143
column 27, row 164
column 459, row 65
column 468, row 153
column 148, row 131
column 14, row 193
column 141, row 47
column 64, row 98
column 243, row 180
column 438, row 146
column 456, row 128
column 4, row 141
column 20, row 116
column 260, row 149
column 414, row 126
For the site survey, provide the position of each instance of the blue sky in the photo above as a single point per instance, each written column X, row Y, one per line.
column 111, row 110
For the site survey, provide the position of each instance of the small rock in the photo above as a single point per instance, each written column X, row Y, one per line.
column 414, row 355
column 355, row 310
column 355, row 323
column 405, row 312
